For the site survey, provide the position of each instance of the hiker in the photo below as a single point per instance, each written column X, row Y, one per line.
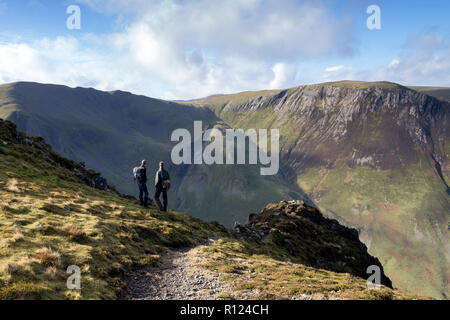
column 140, row 175
column 162, row 185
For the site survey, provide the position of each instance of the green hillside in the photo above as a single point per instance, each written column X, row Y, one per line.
column 374, row 155
column 52, row 218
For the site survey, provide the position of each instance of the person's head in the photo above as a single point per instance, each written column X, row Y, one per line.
column 144, row 163
column 161, row 164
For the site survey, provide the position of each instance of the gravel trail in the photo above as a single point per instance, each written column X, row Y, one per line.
column 179, row 278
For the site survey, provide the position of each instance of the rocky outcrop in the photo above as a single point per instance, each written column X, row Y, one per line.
column 304, row 233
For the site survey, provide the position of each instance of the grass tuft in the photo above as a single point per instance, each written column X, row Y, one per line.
column 48, row 257
column 76, row 234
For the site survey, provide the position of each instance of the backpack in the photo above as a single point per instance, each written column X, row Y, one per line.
column 137, row 174
column 165, row 180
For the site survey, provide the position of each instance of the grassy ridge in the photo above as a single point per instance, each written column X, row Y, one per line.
column 49, row 221
column 262, row 272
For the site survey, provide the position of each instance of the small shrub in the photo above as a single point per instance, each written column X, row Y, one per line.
column 76, row 234
column 48, row 257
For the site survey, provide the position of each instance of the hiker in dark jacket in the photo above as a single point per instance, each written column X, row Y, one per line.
column 141, row 179
column 162, row 185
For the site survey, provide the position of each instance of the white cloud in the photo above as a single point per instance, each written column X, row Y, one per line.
column 338, row 73
column 425, row 60
column 334, row 69
column 21, row 61
column 60, row 48
column 394, row 63
column 425, row 42
column 203, row 47
column 283, row 76
column 287, row 29
column 418, row 69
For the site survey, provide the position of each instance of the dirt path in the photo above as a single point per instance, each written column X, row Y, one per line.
column 179, row 278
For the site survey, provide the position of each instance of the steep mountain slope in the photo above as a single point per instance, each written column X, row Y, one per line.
column 374, row 155
column 56, row 213
column 113, row 131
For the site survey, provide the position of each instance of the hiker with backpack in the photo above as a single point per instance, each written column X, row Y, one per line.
column 140, row 176
column 162, row 185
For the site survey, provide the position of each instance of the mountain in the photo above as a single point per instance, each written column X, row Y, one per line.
column 113, row 131
column 373, row 155
column 56, row 213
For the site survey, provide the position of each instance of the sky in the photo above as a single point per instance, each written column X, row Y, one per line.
column 185, row 49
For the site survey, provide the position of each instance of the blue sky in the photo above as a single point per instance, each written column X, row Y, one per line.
column 182, row 49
